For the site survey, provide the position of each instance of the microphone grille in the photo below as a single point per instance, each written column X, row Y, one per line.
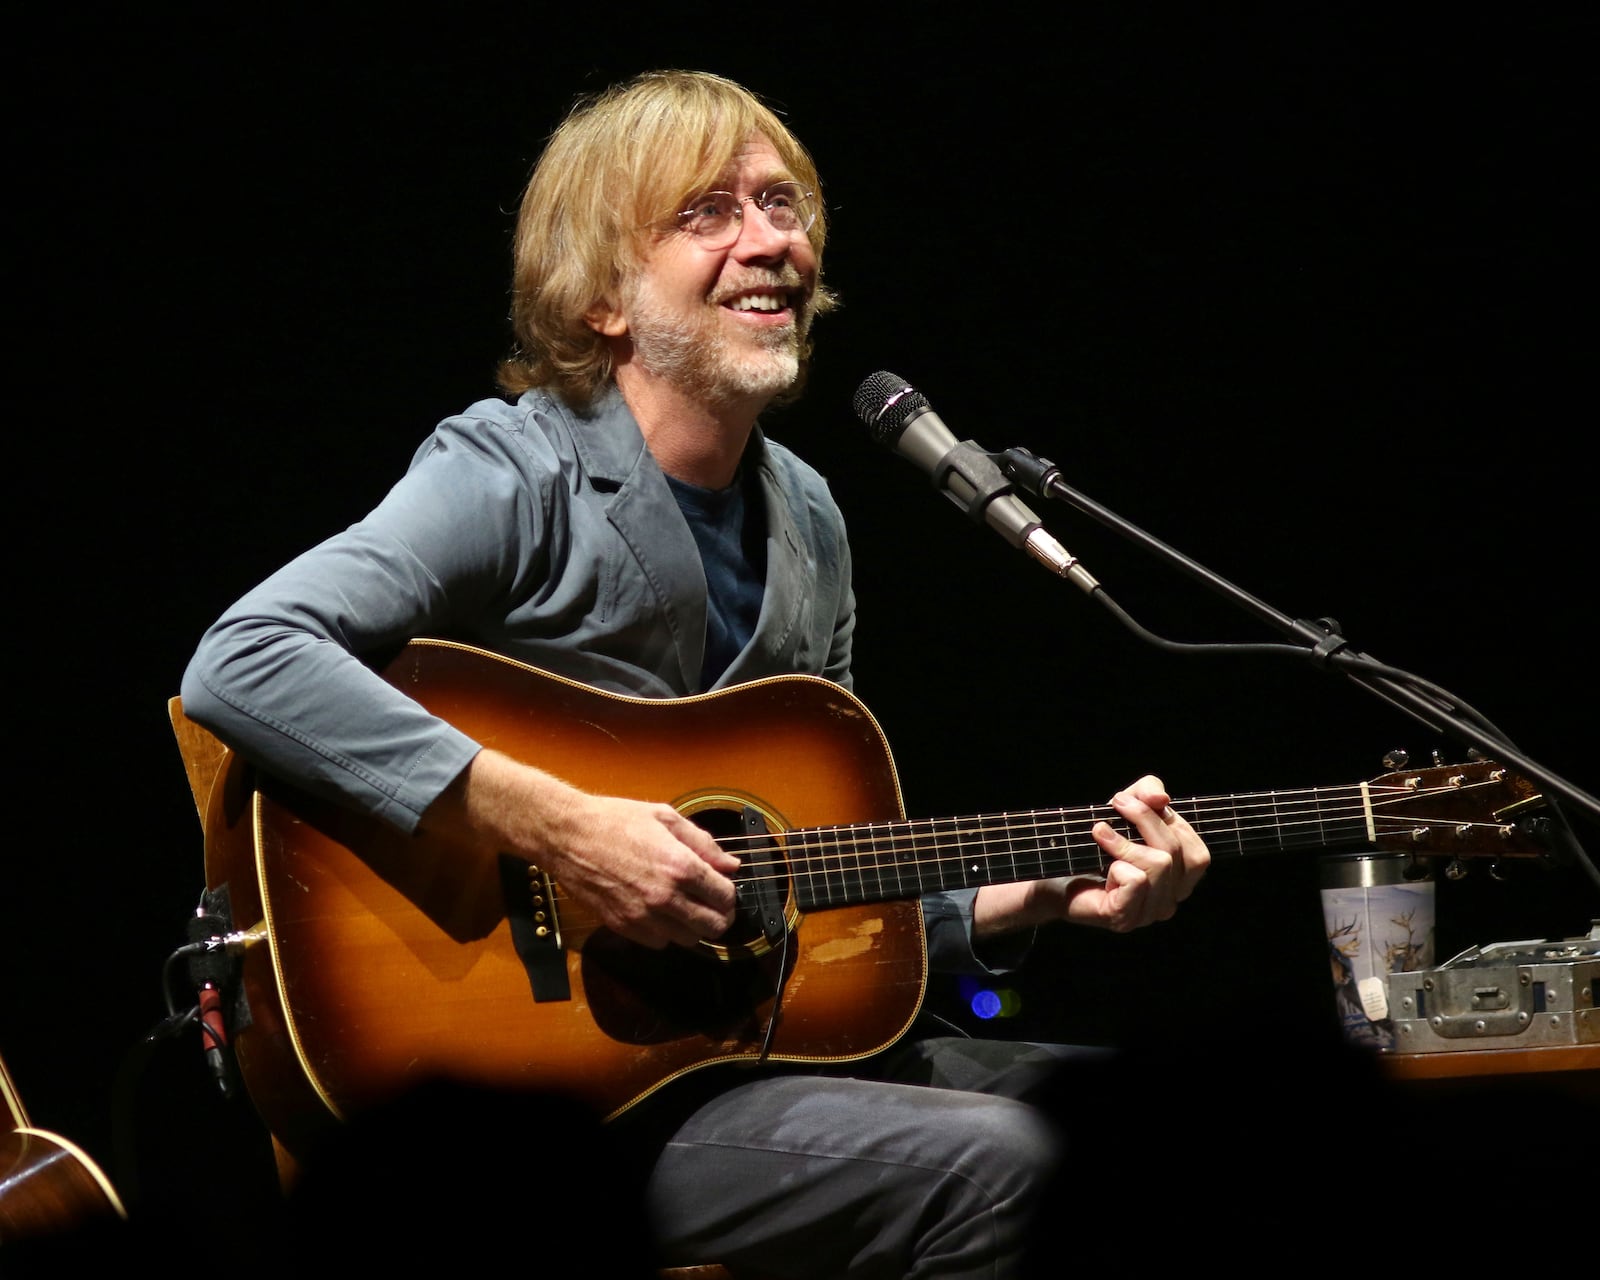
column 885, row 402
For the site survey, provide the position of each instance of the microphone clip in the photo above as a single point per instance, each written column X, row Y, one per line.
column 981, row 482
column 1037, row 475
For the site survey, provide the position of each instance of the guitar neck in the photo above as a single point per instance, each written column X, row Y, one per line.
column 883, row 861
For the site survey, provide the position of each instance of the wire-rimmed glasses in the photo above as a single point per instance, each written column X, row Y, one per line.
column 716, row 217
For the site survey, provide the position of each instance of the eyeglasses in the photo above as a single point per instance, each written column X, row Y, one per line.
column 717, row 217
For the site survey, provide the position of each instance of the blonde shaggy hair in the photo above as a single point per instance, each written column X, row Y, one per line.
column 619, row 169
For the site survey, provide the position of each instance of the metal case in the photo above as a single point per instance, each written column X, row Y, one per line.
column 1505, row 995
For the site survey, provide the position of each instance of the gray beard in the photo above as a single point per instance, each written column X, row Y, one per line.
column 698, row 358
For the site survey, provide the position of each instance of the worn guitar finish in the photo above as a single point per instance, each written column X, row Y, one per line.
column 380, row 959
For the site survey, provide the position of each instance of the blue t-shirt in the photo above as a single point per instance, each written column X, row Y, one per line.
column 735, row 563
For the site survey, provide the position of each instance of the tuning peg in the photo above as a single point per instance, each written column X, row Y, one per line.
column 1455, row 869
column 1438, row 757
column 1396, row 759
column 1416, row 868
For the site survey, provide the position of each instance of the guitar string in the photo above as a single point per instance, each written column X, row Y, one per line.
column 838, row 861
column 1220, row 816
column 1078, row 858
column 857, row 845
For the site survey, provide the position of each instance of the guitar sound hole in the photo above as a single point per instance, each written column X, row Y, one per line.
column 759, row 916
column 722, row 824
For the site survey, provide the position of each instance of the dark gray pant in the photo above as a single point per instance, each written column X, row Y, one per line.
column 933, row 1167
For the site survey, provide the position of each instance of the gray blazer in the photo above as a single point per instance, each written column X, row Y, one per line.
column 528, row 529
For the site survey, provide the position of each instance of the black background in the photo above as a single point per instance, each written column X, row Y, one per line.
column 1307, row 295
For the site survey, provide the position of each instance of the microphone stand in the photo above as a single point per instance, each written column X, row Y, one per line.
column 1318, row 641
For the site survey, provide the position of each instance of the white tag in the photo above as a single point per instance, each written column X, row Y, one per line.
column 1374, row 998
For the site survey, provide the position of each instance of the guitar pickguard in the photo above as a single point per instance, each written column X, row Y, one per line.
column 642, row 996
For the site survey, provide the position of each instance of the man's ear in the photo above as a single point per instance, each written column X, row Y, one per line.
column 606, row 318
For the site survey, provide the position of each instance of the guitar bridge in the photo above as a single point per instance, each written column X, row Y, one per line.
column 535, row 928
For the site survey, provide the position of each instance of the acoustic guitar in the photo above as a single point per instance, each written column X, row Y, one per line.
column 50, row 1188
column 373, row 960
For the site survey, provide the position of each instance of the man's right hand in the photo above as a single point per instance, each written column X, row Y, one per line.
column 649, row 874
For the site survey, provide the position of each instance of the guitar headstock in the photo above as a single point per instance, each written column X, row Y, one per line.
column 1476, row 810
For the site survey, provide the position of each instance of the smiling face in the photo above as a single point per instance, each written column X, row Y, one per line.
column 722, row 326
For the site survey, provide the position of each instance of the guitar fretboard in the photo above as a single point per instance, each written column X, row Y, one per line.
column 906, row 858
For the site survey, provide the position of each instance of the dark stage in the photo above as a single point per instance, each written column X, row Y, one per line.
column 1308, row 298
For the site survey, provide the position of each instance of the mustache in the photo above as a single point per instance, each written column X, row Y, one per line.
column 750, row 278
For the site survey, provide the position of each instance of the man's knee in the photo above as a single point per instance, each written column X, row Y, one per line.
column 1006, row 1147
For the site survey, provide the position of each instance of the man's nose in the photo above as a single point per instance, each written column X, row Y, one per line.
column 757, row 236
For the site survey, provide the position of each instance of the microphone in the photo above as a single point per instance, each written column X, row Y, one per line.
column 900, row 418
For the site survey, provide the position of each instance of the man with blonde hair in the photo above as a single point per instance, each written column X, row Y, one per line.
column 626, row 523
